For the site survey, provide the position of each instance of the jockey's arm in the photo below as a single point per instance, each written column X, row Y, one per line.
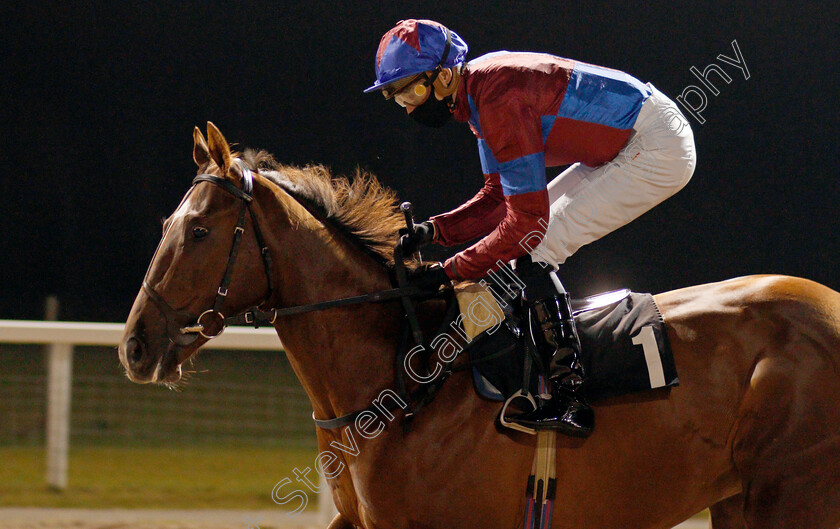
column 475, row 218
column 526, row 216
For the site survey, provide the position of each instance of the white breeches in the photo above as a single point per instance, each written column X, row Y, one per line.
column 588, row 203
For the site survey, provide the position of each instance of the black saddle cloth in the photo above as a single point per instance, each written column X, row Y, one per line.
column 625, row 350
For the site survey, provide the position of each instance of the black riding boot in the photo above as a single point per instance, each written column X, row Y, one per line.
column 550, row 305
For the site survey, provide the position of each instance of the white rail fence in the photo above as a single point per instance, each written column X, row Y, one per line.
column 62, row 337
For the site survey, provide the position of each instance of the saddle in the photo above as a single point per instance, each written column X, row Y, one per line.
column 625, row 347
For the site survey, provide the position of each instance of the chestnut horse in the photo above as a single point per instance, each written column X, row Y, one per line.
column 752, row 432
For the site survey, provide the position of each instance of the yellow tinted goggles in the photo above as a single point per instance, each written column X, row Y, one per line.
column 410, row 92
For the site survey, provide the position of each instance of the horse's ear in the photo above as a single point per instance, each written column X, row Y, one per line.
column 201, row 154
column 219, row 148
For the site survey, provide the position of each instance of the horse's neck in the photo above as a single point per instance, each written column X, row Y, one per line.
column 342, row 356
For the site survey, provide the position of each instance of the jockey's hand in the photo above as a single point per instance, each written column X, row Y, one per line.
column 429, row 278
column 424, row 233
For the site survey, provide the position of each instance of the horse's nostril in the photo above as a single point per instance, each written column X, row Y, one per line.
column 133, row 350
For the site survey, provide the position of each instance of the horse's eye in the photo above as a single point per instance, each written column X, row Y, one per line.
column 200, row 232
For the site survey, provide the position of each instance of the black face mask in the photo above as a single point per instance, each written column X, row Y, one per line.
column 433, row 112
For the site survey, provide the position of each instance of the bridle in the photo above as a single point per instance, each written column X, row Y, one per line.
column 185, row 335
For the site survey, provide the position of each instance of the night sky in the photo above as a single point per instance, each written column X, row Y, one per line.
column 100, row 100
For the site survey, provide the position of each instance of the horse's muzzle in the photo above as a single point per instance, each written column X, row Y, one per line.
column 133, row 351
column 139, row 365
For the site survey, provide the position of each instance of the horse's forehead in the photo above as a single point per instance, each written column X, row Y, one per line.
column 186, row 207
column 198, row 200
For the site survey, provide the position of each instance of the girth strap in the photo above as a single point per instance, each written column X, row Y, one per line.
column 542, row 483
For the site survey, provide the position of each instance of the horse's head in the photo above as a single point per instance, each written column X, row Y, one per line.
column 208, row 265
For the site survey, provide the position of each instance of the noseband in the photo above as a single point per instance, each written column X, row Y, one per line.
column 184, row 335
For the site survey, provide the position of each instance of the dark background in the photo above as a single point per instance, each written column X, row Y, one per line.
column 99, row 102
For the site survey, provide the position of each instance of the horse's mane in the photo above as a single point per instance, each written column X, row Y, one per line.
column 361, row 208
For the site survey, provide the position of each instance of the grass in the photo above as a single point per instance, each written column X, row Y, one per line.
column 194, row 477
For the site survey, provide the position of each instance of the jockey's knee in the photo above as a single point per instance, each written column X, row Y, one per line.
column 677, row 174
column 690, row 165
column 689, row 157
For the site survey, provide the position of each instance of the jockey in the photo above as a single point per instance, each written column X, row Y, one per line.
column 628, row 144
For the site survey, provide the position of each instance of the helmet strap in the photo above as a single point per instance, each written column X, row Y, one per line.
column 445, row 54
column 443, row 57
column 450, row 103
column 448, row 99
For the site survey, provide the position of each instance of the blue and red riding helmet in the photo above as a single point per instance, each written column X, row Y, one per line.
column 415, row 46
